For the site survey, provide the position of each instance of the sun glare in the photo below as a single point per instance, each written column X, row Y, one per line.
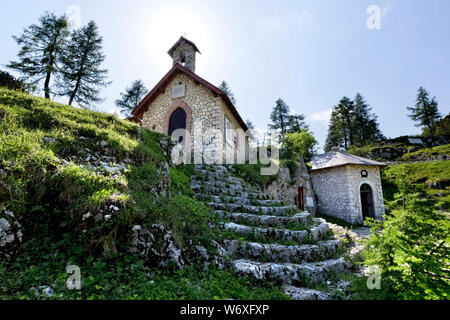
column 167, row 24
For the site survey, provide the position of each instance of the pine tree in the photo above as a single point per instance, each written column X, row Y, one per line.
column 41, row 46
column 426, row 112
column 225, row 88
column 280, row 117
column 132, row 97
column 81, row 72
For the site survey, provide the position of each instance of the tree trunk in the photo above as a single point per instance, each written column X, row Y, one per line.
column 47, row 86
column 80, row 73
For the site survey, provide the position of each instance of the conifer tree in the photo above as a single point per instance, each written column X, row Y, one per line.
column 81, row 71
column 41, row 46
column 335, row 135
column 131, row 98
column 280, row 117
column 296, row 123
column 250, row 124
column 352, row 124
column 226, row 88
column 365, row 123
column 425, row 112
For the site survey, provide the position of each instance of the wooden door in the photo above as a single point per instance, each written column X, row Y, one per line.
column 301, row 199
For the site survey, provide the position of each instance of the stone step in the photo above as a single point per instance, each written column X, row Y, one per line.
column 311, row 235
column 303, row 218
column 233, row 207
column 305, row 274
column 238, row 200
column 215, row 191
column 211, row 168
column 305, row 294
column 224, row 185
column 281, row 253
column 220, row 188
column 214, row 179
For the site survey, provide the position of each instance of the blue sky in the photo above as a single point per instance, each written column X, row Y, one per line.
column 310, row 53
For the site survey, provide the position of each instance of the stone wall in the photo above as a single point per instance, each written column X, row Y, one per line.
column 207, row 112
column 337, row 191
column 286, row 188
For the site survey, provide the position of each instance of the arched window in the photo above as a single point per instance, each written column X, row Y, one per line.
column 177, row 121
column 367, row 204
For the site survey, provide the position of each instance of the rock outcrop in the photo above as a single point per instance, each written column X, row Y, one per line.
column 156, row 245
column 286, row 187
column 10, row 233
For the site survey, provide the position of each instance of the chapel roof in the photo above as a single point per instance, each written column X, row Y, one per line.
column 165, row 81
column 338, row 158
column 179, row 42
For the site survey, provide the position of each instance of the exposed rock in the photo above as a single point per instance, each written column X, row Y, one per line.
column 302, row 274
column 286, row 187
column 282, row 253
column 47, row 291
column 156, row 246
column 10, row 233
column 220, row 258
column 48, row 140
column 305, row 294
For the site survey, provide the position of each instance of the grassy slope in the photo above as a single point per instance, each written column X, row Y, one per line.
column 44, row 181
column 420, row 175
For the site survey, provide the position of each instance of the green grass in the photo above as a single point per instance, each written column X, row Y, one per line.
column 252, row 174
column 49, row 187
column 426, row 154
column 121, row 277
column 421, row 176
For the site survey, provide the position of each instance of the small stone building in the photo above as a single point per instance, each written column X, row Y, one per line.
column 184, row 100
column 347, row 187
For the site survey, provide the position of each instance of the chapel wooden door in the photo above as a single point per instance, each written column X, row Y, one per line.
column 368, row 210
column 301, row 199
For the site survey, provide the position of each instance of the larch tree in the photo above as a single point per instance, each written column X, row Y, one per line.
column 81, row 73
column 131, row 98
column 425, row 112
column 41, row 47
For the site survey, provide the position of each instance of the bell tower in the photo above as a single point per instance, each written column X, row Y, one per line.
column 183, row 52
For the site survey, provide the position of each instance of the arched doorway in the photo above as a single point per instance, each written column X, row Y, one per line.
column 178, row 121
column 367, row 204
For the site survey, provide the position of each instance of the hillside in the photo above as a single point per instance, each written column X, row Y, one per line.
column 80, row 184
column 425, row 169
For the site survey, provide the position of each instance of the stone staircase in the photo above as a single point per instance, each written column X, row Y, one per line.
column 267, row 239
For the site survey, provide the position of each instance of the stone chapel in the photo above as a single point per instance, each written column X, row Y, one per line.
column 184, row 100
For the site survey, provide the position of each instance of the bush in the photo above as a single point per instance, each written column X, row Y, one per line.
column 411, row 247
